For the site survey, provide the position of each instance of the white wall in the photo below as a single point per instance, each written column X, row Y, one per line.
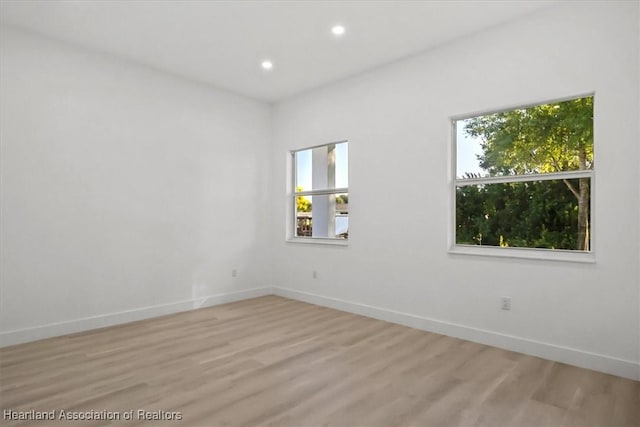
column 123, row 190
column 397, row 122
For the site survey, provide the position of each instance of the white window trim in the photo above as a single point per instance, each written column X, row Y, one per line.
column 291, row 202
column 511, row 252
column 318, row 241
column 524, row 253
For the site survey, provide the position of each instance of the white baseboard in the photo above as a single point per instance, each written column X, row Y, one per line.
column 571, row 356
column 597, row 362
column 87, row 323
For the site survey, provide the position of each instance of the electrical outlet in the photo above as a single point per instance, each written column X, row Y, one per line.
column 314, row 274
column 234, row 273
column 505, row 303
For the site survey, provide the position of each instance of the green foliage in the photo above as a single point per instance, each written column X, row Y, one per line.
column 302, row 203
column 539, row 214
column 544, row 138
column 342, row 199
column 543, row 214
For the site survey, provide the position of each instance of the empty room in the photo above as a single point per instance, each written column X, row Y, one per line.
column 320, row 213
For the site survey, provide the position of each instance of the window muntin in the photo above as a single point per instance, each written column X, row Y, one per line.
column 524, row 177
column 320, row 198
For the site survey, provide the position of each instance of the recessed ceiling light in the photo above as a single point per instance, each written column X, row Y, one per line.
column 267, row 64
column 337, row 30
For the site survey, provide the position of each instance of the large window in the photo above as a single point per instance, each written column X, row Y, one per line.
column 320, row 200
column 524, row 177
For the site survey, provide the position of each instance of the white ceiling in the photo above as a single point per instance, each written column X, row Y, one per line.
column 222, row 43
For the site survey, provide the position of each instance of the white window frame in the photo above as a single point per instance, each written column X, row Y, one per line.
column 293, row 195
column 517, row 252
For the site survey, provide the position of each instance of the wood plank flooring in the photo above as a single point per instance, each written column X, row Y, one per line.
column 271, row 361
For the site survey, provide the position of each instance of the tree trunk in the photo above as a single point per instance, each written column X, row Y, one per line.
column 583, row 215
column 582, row 195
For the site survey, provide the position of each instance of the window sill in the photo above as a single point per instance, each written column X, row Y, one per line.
column 525, row 253
column 318, row 241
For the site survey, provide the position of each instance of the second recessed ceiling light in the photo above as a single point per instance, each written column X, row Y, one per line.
column 337, row 30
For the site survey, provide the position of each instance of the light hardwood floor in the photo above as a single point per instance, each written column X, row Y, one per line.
column 277, row 362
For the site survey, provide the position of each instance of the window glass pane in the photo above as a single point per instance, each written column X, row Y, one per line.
column 342, row 165
column 303, row 170
column 545, row 138
column 323, row 216
column 322, row 168
column 551, row 214
column 342, row 216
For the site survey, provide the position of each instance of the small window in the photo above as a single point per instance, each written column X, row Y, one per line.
column 524, row 177
column 320, row 200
